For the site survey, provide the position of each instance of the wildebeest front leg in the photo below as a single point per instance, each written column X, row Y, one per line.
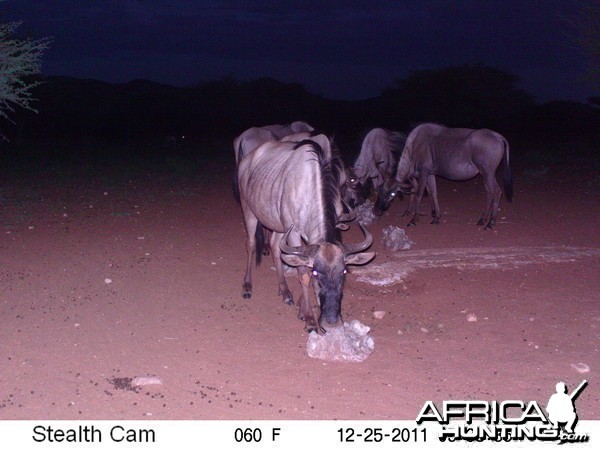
column 305, row 311
column 284, row 290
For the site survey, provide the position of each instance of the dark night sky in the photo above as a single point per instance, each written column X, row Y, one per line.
column 348, row 49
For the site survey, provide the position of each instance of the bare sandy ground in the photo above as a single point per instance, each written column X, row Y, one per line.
column 118, row 271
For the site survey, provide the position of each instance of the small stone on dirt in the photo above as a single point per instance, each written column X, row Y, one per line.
column 581, row 367
column 378, row 314
column 145, row 381
column 471, row 318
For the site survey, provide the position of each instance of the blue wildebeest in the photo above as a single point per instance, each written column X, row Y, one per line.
column 255, row 136
column 456, row 154
column 376, row 163
column 291, row 188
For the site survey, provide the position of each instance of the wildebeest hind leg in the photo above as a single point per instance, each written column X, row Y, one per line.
column 420, row 191
column 493, row 194
column 250, row 250
column 267, row 248
column 484, row 220
column 435, row 206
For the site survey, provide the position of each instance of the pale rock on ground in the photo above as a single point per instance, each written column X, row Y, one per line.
column 348, row 343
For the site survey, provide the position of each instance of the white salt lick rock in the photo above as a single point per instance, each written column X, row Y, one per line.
column 348, row 343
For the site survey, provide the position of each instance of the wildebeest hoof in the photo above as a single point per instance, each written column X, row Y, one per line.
column 247, row 290
column 312, row 326
column 411, row 224
column 288, row 301
column 435, row 221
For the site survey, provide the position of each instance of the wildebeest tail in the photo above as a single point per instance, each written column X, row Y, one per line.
column 506, row 173
column 235, row 181
column 259, row 235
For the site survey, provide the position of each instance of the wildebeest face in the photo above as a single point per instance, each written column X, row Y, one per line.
column 386, row 195
column 352, row 189
column 357, row 192
column 328, row 272
column 328, row 264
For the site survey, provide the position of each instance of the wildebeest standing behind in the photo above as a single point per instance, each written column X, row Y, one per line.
column 255, row 136
column 376, row 163
column 292, row 189
column 456, row 154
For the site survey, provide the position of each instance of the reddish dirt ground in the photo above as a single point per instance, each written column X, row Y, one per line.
column 171, row 242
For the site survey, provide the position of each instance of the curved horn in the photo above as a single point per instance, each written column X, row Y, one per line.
column 347, row 217
column 355, row 248
column 286, row 248
column 350, row 216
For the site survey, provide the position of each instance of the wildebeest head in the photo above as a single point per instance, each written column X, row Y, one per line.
column 328, row 265
column 387, row 193
column 355, row 191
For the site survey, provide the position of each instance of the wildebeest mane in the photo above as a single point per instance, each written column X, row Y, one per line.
column 330, row 169
column 396, row 143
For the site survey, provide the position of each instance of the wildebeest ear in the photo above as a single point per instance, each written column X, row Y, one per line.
column 358, row 259
column 296, row 260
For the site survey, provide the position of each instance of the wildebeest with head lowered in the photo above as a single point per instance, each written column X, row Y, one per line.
column 292, row 189
column 456, row 154
column 377, row 163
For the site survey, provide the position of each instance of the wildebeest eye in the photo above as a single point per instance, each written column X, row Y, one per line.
column 315, row 273
column 393, row 194
column 345, row 271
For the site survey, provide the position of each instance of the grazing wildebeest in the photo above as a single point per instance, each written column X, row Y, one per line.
column 377, row 163
column 456, row 154
column 292, row 189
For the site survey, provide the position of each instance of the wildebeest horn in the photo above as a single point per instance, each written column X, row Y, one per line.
column 286, row 248
column 307, row 251
column 349, row 216
column 356, row 248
